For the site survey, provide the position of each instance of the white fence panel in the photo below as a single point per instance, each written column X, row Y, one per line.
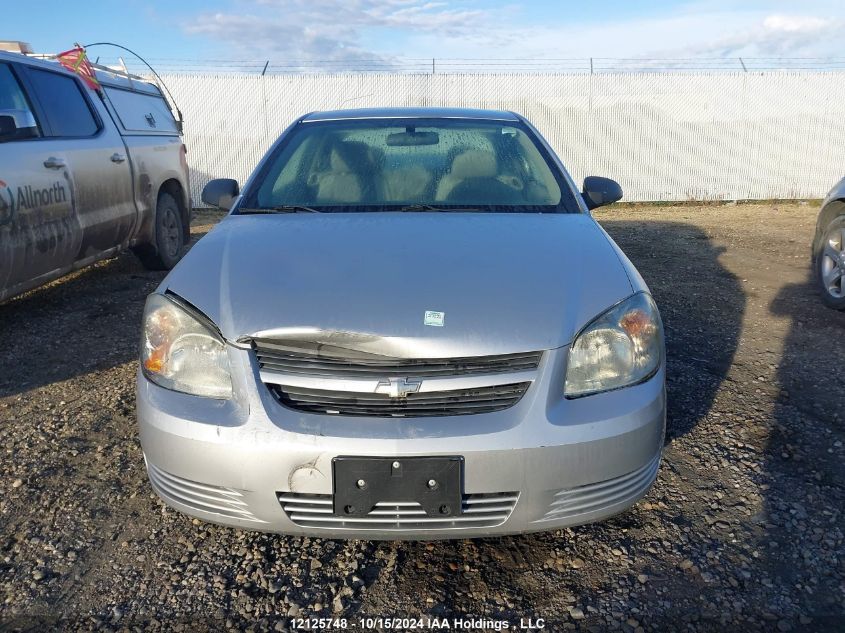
column 663, row 136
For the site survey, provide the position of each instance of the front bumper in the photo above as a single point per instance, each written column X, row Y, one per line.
column 543, row 464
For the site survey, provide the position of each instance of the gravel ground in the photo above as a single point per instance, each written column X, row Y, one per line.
column 743, row 529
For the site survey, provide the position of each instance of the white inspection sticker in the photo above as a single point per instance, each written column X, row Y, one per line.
column 434, row 318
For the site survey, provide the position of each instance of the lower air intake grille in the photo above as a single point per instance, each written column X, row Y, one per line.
column 456, row 402
column 478, row 510
column 572, row 502
column 227, row 502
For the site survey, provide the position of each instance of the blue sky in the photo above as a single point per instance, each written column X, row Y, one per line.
column 348, row 31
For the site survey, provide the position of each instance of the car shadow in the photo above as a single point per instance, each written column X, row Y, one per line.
column 801, row 535
column 702, row 305
column 86, row 321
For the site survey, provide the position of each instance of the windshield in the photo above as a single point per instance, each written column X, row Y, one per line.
column 409, row 165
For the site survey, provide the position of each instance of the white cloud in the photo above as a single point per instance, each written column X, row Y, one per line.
column 776, row 36
column 330, row 30
column 354, row 32
column 795, row 23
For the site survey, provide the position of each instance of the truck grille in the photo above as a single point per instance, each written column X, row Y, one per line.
column 364, row 366
column 353, row 403
column 477, row 510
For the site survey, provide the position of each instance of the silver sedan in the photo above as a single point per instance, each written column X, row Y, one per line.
column 408, row 326
column 829, row 248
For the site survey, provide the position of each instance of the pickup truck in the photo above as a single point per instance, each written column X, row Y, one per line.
column 84, row 173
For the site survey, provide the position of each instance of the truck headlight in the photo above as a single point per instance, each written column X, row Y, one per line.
column 622, row 346
column 181, row 350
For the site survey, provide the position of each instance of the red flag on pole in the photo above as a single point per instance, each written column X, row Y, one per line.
column 76, row 61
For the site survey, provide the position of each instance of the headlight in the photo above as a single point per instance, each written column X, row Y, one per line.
column 621, row 347
column 180, row 352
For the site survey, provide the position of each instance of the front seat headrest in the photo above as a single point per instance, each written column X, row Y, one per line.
column 350, row 157
column 474, row 163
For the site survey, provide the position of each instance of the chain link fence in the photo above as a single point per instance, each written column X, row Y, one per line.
column 665, row 136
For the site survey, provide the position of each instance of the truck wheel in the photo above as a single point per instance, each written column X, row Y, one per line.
column 830, row 264
column 168, row 244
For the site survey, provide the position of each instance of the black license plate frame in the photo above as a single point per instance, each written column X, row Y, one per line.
column 410, row 481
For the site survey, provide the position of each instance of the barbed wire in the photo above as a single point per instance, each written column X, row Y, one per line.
column 480, row 65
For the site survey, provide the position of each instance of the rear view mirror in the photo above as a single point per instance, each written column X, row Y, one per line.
column 600, row 191
column 221, row 192
column 412, row 137
column 16, row 125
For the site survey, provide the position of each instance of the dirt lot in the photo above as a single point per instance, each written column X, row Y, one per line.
column 743, row 529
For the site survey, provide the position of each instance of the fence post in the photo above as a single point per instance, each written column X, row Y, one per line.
column 743, row 64
column 591, row 65
column 432, row 66
column 265, row 68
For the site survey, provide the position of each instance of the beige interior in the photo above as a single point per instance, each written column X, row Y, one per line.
column 406, row 184
column 340, row 183
column 349, row 162
column 469, row 164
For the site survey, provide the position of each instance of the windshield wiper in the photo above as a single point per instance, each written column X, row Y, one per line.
column 421, row 207
column 282, row 208
column 431, row 207
column 298, row 208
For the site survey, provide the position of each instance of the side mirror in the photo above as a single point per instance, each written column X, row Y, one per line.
column 7, row 125
column 600, row 191
column 221, row 192
column 17, row 125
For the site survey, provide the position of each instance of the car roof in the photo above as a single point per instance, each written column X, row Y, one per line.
column 19, row 58
column 410, row 113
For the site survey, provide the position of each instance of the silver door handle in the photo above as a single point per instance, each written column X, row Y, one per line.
column 117, row 158
column 55, row 163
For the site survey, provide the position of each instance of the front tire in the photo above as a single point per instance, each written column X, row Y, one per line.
column 830, row 264
column 168, row 244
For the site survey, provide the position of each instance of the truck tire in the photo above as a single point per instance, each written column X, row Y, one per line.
column 168, row 243
column 830, row 264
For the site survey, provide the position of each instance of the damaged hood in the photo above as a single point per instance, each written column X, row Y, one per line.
column 503, row 283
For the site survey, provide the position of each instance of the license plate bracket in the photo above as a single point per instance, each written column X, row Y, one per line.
column 399, row 480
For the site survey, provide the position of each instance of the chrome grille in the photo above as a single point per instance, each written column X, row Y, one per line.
column 372, row 366
column 226, row 502
column 478, row 510
column 571, row 502
column 354, row 403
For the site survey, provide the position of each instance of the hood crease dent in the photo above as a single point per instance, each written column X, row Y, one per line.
column 505, row 283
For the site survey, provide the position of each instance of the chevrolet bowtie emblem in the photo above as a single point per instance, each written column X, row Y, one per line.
column 398, row 387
